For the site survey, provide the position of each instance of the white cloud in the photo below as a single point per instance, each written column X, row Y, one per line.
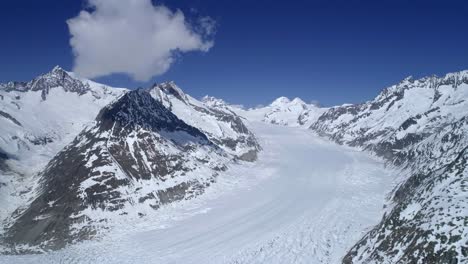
column 316, row 103
column 133, row 37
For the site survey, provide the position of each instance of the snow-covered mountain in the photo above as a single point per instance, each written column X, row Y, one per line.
column 420, row 126
column 137, row 154
column 212, row 116
column 115, row 151
column 77, row 157
column 37, row 119
column 399, row 116
column 285, row 112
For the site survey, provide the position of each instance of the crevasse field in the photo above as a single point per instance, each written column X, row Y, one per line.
column 306, row 200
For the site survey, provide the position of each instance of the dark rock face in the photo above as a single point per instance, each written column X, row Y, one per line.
column 420, row 126
column 9, row 117
column 135, row 142
column 137, row 109
column 3, row 159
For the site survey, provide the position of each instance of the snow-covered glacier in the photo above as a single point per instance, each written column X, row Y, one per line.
column 299, row 203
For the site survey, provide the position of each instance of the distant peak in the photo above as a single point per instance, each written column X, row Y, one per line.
column 57, row 68
column 409, row 78
column 281, row 101
column 57, row 71
column 213, row 101
column 297, row 100
column 165, row 84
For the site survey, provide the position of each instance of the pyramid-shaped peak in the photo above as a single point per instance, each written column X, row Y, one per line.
column 136, row 108
column 57, row 71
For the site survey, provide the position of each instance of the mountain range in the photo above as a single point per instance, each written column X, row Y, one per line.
column 75, row 154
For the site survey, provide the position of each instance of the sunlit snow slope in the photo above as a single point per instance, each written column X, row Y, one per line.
column 299, row 203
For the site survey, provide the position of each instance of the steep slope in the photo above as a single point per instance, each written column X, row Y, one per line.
column 420, row 126
column 400, row 116
column 137, row 155
column 212, row 116
column 285, row 112
column 40, row 117
column 428, row 223
column 37, row 119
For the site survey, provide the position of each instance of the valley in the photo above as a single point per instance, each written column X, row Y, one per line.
column 299, row 203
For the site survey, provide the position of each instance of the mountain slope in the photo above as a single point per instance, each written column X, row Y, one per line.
column 428, row 223
column 37, row 119
column 401, row 115
column 137, row 155
column 420, row 126
column 40, row 117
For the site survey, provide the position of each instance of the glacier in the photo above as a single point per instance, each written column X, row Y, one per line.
column 299, row 203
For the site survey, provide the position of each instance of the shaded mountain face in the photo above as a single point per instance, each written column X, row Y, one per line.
column 420, row 126
column 212, row 116
column 137, row 155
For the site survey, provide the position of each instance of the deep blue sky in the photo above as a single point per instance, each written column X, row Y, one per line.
column 331, row 51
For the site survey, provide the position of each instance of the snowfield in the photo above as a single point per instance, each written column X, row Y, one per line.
column 306, row 200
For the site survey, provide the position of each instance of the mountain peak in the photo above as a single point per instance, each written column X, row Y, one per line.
column 138, row 109
column 213, row 101
column 280, row 101
column 170, row 88
column 298, row 100
column 57, row 68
